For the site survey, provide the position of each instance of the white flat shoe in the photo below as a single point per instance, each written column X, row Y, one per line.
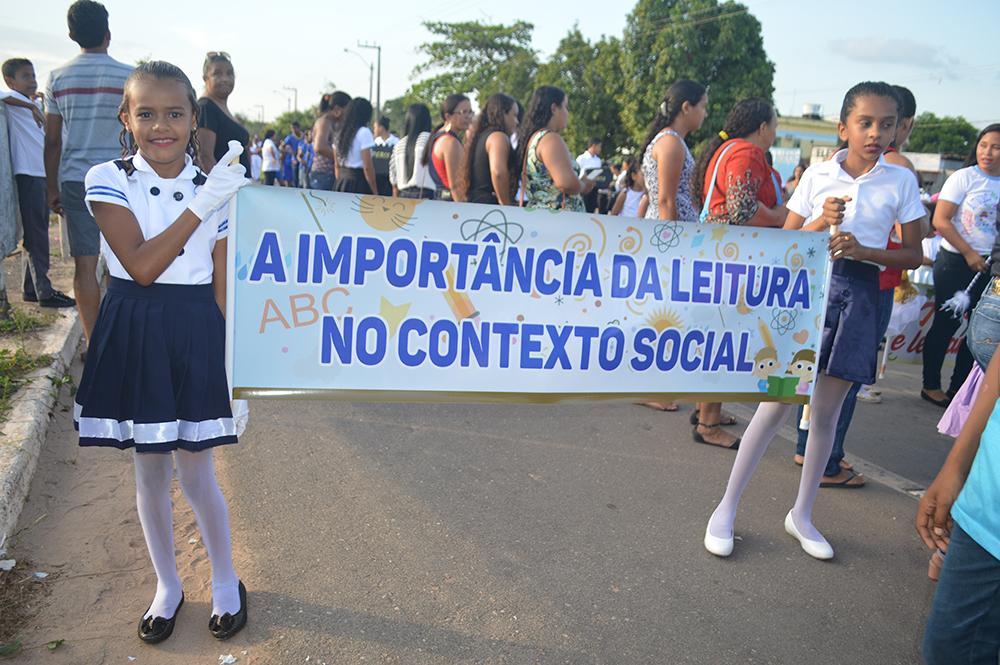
column 818, row 549
column 718, row 546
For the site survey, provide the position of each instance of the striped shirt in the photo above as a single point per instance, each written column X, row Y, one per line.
column 86, row 92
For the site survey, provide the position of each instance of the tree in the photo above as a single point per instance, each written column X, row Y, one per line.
column 591, row 76
column 719, row 45
column 952, row 137
column 477, row 58
column 282, row 125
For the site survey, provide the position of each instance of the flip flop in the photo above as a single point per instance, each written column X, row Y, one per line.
column 846, row 483
column 844, row 464
column 735, row 445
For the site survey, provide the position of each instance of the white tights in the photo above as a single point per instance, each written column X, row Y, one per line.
column 196, row 472
column 828, row 397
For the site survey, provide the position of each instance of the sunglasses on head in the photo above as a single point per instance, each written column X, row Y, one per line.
column 217, row 54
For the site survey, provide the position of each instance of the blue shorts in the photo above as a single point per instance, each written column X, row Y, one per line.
column 84, row 236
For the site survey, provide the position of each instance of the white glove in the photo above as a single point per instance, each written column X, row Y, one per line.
column 224, row 180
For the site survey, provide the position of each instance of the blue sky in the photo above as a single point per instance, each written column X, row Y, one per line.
column 950, row 62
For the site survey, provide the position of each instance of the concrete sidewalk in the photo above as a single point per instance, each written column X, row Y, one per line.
column 477, row 534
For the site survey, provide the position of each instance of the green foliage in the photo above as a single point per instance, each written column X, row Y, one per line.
column 282, row 125
column 473, row 57
column 395, row 110
column 952, row 137
column 21, row 321
column 591, row 75
column 718, row 45
column 14, row 366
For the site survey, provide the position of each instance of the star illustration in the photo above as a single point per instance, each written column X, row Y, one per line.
column 393, row 314
column 811, row 252
column 719, row 232
column 559, row 300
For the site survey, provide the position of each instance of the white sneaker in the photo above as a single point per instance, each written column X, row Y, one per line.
column 867, row 394
column 818, row 549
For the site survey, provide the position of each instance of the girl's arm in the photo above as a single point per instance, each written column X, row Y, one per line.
column 555, row 155
column 369, row 169
column 933, row 521
column 772, row 217
column 616, row 209
column 321, row 131
column 669, row 156
column 498, row 150
column 219, row 253
column 907, row 257
column 643, row 206
column 206, row 149
column 144, row 260
column 943, row 214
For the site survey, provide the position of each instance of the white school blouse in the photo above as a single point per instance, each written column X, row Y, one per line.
column 156, row 203
column 879, row 198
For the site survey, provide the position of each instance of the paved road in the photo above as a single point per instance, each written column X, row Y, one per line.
column 493, row 534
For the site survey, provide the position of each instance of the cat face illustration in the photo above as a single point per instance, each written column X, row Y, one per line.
column 384, row 213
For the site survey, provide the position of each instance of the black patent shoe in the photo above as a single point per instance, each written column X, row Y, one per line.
column 57, row 300
column 224, row 627
column 157, row 629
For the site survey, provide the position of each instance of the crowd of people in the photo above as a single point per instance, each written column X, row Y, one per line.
column 142, row 169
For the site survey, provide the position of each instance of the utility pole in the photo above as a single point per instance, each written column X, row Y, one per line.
column 371, row 70
column 260, row 112
column 378, row 84
column 295, row 91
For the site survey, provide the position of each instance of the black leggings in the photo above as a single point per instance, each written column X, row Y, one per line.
column 951, row 274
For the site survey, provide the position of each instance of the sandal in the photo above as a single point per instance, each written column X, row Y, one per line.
column 844, row 464
column 847, row 483
column 669, row 407
column 699, row 438
column 724, row 421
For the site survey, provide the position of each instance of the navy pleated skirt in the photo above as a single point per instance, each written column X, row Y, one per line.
column 155, row 376
column 849, row 348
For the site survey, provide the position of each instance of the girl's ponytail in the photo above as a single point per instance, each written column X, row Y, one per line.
column 745, row 118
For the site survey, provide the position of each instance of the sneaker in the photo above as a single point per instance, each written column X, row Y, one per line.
column 866, row 394
column 30, row 297
column 57, row 299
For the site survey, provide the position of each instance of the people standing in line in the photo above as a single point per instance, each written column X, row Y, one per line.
column 81, row 130
column 255, row 159
column 305, row 156
column 734, row 184
column 353, row 148
column 332, row 107
column 382, row 134
column 590, row 161
column 489, row 168
column 958, row 514
column 862, row 197
column 216, row 124
column 26, row 133
column 159, row 341
column 408, row 173
column 445, row 154
column 966, row 218
column 290, row 161
column 629, row 199
column 549, row 177
column 271, row 158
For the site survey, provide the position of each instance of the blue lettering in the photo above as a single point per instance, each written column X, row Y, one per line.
column 433, row 261
column 414, row 358
column 401, row 248
column 689, row 361
column 377, row 325
column 642, row 343
column 302, row 272
column 623, row 266
column 757, row 289
column 587, row 334
column 368, row 262
column 543, row 284
column 613, row 340
column 324, row 263
column 464, row 251
column 649, row 282
column 332, row 339
column 677, row 294
column 800, row 291
column 589, row 278
column 781, row 276
column 518, row 269
column 530, row 332
column 701, row 282
column 446, row 357
column 488, row 270
column 558, row 354
column 505, row 330
column 268, row 259
column 475, row 344
column 670, row 337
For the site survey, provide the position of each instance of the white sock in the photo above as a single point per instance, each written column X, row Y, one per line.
column 153, row 474
column 828, row 398
column 763, row 427
column 196, row 472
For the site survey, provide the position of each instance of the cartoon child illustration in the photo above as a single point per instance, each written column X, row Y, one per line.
column 763, row 366
column 803, row 365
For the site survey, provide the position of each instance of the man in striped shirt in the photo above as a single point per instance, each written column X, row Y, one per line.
column 83, row 96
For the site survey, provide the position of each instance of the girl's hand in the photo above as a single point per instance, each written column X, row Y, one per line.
column 224, row 180
column 833, row 210
column 934, row 511
column 846, row 246
column 976, row 262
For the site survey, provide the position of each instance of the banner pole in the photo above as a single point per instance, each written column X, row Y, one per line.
column 804, row 421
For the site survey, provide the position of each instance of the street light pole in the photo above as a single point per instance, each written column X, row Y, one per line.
column 260, row 112
column 371, row 70
column 295, row 91
column 378, row 85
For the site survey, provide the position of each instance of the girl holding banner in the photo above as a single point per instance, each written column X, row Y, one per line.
column 858, row 196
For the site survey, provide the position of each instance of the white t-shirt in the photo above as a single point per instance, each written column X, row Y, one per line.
column 588, row 162
column 272, row 161
column 977, row 196
column 110, row 183
column 27, row 139
column 630, row 208
column 363, row 140
column 389, row 142
column 879, row 198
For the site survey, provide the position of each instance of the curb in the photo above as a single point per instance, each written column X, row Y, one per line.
column 24, row 432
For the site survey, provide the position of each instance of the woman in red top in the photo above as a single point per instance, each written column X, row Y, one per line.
column 739, row 189
column 444, row 148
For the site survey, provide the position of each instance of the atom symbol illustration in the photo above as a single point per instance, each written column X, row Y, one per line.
column 493, row 227
column 666, row 236
column 783, row 320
